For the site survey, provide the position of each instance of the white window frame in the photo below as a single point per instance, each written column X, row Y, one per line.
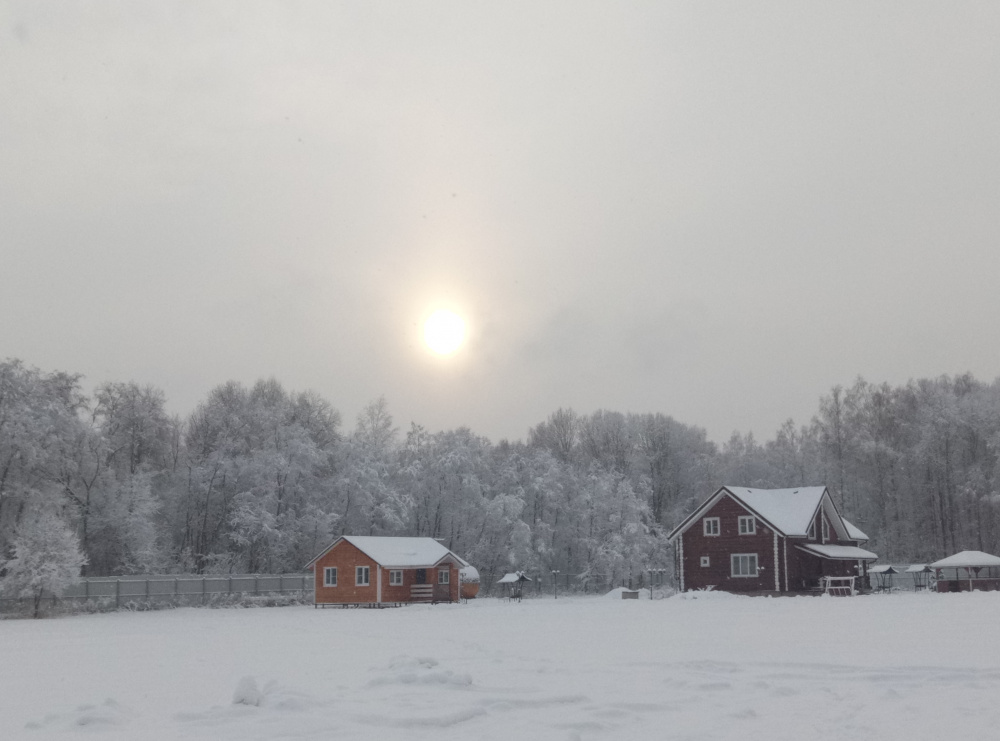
column 396, row 578
column 329, row 571
column 362, row 576
column 812, row 530
column 747, row 525
column 825, row 528
column 444, row 576
column 706, row 561
column 736, row 565
column 710, row 524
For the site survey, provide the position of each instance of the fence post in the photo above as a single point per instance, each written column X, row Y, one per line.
column 255, row 589
column 229, row 585
column 118, row 593
column 203, row 590
column 176, row 591
column 86, row 589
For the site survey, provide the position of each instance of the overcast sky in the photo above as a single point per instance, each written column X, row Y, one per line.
column 717, row 211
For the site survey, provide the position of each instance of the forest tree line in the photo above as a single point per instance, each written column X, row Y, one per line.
column 258, row 479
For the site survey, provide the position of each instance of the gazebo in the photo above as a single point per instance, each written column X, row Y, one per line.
column 968, row 571
column 882, row 576
column 513, row 583
column 921, row 574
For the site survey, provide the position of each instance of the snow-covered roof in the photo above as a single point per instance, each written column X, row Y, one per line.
column 404, row 552
column 882, row 569
column 838, row 552
column 512, row 577
column 967, row 559
column 396, row 552
column 918, row 568
column 852, row 531
column 468, row 574
column 789, row 510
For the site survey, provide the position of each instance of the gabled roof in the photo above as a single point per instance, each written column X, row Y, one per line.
column 853, row 532
column 396, row 552
column 788, row 511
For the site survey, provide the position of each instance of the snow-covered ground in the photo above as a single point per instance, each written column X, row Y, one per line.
column 903, row 666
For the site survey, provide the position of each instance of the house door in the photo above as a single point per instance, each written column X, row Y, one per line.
column 421, row 576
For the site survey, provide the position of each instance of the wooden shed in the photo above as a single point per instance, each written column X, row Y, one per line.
column 378, row 571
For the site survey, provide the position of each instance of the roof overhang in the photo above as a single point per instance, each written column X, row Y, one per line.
column 967, row 560
column 838, row 552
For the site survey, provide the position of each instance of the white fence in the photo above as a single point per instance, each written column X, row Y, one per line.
column 183, row 589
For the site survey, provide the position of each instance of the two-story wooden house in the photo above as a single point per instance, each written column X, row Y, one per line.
column 767, row 541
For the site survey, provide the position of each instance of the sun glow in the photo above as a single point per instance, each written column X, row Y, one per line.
column 444, row 332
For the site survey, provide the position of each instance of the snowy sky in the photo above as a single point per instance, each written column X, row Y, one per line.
column 712, row 210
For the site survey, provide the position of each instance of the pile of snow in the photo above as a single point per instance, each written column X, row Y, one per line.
column 409, row 670
column 710, row 594
column 247, row 693
column 617, row 593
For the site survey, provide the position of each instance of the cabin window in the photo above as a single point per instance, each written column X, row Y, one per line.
column 330, row 576
column 710, row 525
column 748, row 525
column 362, row 576
column 744, row 564
column 395, row 578
column 706, row 561
column 444, row 576
column 826, row 528
column 812, row 530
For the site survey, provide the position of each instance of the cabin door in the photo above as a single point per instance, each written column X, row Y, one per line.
column 421, row 576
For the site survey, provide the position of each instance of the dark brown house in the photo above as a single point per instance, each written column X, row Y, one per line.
column 767, row 541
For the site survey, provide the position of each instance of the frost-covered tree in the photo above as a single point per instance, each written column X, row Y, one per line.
column 39, row 427
column 46, row 559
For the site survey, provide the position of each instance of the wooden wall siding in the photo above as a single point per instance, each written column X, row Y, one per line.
column 442, row 593
column 719, row 548
column 346, row 557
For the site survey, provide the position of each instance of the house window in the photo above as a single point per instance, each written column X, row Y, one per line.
column 395, row 578
column 812, row 530
column 330, row 576
column 710, row 525
column 744, row 564
column 362, row 576
column 748, row 525
column 444, row 576
column 826, row 528
column 706, row 561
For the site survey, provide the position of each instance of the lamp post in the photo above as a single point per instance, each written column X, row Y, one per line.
column 555, row 583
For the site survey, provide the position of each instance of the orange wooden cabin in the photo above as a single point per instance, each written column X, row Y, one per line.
column 380, row 571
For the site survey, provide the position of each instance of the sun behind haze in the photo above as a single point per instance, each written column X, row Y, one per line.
column 444, row 332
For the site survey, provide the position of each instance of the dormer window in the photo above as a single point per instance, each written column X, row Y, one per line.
column 748, row 525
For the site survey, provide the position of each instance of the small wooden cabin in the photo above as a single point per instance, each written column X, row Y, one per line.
column 376, row 571
column 768, row 541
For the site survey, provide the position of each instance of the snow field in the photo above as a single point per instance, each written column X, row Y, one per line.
column 706, row 666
